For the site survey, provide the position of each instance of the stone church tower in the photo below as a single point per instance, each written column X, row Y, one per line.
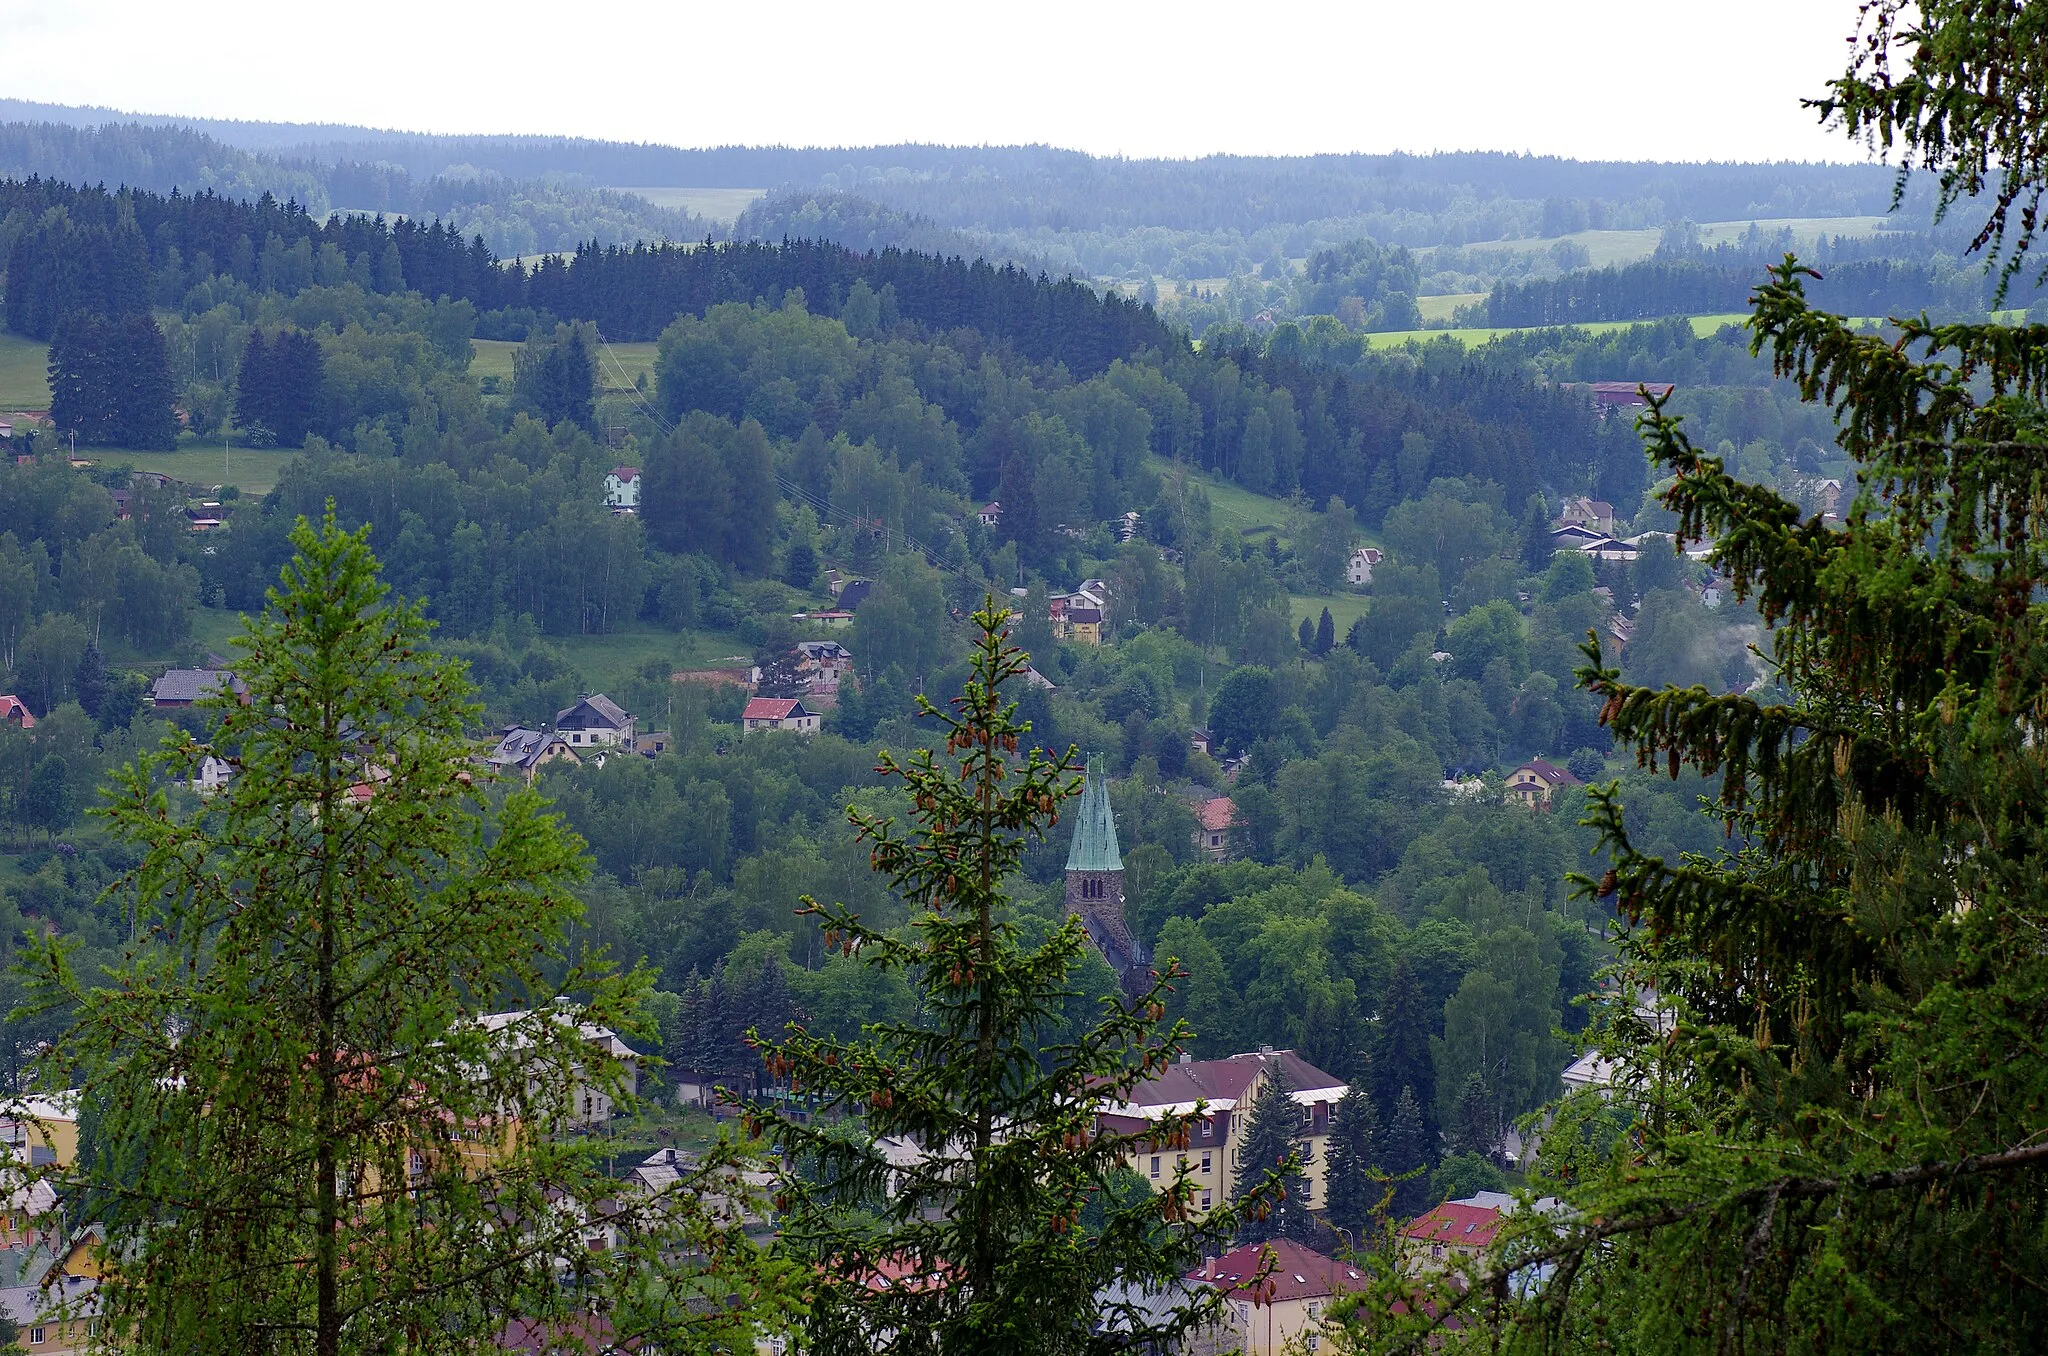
column 1095, row 884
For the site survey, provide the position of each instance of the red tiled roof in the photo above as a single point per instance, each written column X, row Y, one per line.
column 772, row 708
column 1216, row 813
column 13, row 708
column 1292, row 1272
column 626, row 472
column 1465, row 1226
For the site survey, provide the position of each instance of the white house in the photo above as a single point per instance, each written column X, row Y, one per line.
column 1359, row 571
column 991, row 513
column 622, row 489
column 778, row 713
column 594, row 720
column 589, row 1106
column 212, row 776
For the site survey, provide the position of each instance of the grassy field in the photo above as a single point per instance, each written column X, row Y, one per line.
column 494, row 359
column 1445, row 306
column 1345, row 608
column 1232, row 508
column 1605, row 248
column 252, row 470
column 714, row 204
column 24, row 374
column 1702, row 325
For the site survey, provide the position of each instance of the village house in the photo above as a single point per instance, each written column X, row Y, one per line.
column 1200, row 741
column 1574, row 536
column 1581, row 511
column 622, row 489
column 183, row 687
column 213, row 775
column 1127, row 526
column 1536, row 781
column 594, row 720
column 1454, row 1233
column 1608, row 549
column 778, row 713
column 1225, row 1090
column 1612, row 396
column 1084, row 625
column 991, row 513
column 853, row 594
column 1276, row 1297
column 589, row 1106
column 56, row 1318
column 1214, row 816
column 523, row 751
column 1358, row 570
column 40, row 1129
column 15, row 712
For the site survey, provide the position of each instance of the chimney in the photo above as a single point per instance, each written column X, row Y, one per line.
column 1186, row 1058
column 1208, row 1268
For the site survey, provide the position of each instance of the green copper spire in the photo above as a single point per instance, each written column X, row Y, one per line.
column 1095, row 846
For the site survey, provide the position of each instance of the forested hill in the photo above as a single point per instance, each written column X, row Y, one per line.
column 117, row 252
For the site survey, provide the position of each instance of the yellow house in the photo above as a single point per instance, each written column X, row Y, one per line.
column 1225, row 1090
column 54, row 1319
column 1535, row 782
column 40, row 1130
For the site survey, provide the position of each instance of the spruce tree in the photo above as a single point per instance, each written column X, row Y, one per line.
column 1351, row 1195
column 1404, row 1150
column 1401, row 1055
column 982, row 1237
column 1271, row 1148
column 1473, row 1128
column 1326, row 633
column 143, row 414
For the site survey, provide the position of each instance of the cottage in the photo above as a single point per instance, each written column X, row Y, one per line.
column 184, row 687
column 523, row 751
column 1610, row 396
column 1214, row 816
column 1127, row 526
column 594, row 720
column 1581, row 511
column 56, row 1318
column 1276, row 1296
column 589, row 1106
column 1084, row 625
column 991, row 513
column 15, row 712
column 1358, row 571
column 778, row 713
column 213, row 775
column 1225, row 1089
column 40, row 1130
column 1534, row 782
column 1453, row 1233
column 1038, row 680
column 622, row 489
column 651, row 745
column 1200, row 741
column 29, row 1214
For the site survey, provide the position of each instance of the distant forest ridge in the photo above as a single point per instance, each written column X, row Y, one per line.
column 1027, row 187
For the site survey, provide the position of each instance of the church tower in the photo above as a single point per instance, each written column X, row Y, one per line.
column 1095, row 883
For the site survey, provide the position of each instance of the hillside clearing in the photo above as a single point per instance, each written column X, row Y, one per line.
column 24, row 374
column 722, row 205
column 617, row 364
column 1702, row 325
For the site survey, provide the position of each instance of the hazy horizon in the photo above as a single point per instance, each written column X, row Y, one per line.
column 1594, row 81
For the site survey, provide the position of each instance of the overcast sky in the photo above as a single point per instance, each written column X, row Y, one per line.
column 1605, row 79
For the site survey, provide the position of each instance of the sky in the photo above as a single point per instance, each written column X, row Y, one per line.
column 1591, row 79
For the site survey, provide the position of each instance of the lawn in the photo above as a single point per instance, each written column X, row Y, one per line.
column 1236, row 510
column 252, row 470
column 713, row 204
column 24, row 374
column 1345, row 608
column 617, row 364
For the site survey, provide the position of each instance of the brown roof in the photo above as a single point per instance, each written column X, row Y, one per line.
column 1290, row 1272
column 1549, row 772
column 772, row 708
column 1216, row 813
column 1225, row 1080
column 1084, row 616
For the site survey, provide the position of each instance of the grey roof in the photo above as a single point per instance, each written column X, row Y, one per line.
column 599, row 712
column 854, row 594
column 520, row 747
column 1095, row 847
column 189, row 685
column 29, row 1304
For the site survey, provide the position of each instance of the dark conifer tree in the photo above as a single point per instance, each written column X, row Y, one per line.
column 1306, row 633
column 1401, row 1057
column 1326, row 633
column 1350, row 1195
column 144, row 414
column 1272, row 1145
column 1405, row 1149
column 1473, row 1127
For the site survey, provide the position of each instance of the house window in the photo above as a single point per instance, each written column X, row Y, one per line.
column 1155, row 1165
column 1315, row 1310
column 1205, row 1162
column 35, row 1337
column 1205, row 1200
column 1208, row 1128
